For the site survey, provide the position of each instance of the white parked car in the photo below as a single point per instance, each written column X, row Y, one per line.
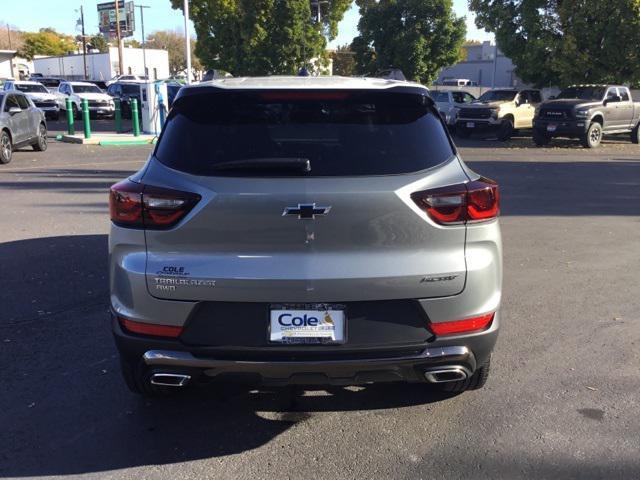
column 128, row 78
column 39, row 95
column 447, row 103
column 100, row 104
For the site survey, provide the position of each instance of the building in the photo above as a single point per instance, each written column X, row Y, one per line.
column 480, row 65
column 103, row 66
column 12, row 66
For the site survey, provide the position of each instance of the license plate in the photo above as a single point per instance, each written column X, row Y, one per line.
column 471, row 124
column 307, row 325
column 551, row 128
column 100, row 111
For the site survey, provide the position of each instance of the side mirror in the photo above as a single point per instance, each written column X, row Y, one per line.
column 14, row 110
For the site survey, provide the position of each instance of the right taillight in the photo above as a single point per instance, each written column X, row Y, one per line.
column 475, row 201
column 136, row 205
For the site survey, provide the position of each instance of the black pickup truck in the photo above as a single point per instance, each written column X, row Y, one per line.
column 587, row 112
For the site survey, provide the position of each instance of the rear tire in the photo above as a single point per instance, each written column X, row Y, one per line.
column 593, row 136
column 76, row 111
column 635, row 134
column 475, row 382
column 540, row 139
column 506, row 129
column 137, row 376
column 41, row 142
column 6, row 148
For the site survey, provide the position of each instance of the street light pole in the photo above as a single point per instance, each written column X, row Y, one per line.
column 144, row 55
column 118, row 38
column 187, row 40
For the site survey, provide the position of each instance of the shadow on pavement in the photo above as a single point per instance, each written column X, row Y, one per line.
column 64, row 408
column 524, row 140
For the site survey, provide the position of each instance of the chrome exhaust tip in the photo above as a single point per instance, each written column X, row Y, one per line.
column 448, row 374
column 170, row 379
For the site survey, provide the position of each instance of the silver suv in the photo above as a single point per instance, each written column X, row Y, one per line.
column 304, row 231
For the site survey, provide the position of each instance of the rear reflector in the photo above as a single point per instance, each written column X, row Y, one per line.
column 150, row 328
column 468, row 325
column 144, row 206
column 471, row 202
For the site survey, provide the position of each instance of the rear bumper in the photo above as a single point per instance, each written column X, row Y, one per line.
column 262, row 367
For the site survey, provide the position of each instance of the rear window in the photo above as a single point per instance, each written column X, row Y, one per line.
column 131, row 89
column 340, row 133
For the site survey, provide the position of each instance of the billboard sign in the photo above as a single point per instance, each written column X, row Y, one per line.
column 107, row 18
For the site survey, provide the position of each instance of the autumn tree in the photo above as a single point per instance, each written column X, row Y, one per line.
column 419, row 37
column 98, row 42
column 45, row 42
column 555, row 42
column 260, row 37
column 173, row 42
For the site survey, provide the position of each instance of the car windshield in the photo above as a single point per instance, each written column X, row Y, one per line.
column 86, row 89
column 498, row 96
column 339, row 133
column 583, row 93
column 440, row 97
column 31, row 88
column 131, row 89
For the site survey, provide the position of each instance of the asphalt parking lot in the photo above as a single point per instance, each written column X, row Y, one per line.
column 562, row 402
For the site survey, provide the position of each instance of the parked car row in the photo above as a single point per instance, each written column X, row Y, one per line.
column 585, row 112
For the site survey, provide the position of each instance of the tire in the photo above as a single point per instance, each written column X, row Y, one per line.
column 136, row 376
column 6, row 148
column 540, row 139
column 593, row 136
column 76, row 112
column 41, row 142
column 55, row 116
column 463, row 132
column 475, row 382
column 506, row 129
column 635, row 134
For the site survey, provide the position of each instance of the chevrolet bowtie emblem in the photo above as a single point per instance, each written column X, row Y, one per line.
column 306, row 211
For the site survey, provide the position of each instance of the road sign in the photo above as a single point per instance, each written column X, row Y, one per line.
column 107, row 18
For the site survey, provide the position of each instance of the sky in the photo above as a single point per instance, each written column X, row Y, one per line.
column 31, row 15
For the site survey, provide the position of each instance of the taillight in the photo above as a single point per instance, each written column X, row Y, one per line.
column 468, row 325
column 475, row 201
column 150, row 328
column 143, row 206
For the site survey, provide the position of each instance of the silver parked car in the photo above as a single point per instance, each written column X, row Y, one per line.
column 21, row 124
column 298, row 230
column 39, row 95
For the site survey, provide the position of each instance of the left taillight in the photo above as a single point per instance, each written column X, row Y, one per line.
column 136, row 205
column 475, row 201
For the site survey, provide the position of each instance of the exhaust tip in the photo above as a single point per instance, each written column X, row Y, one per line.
column 442, row 375
column 170, row 379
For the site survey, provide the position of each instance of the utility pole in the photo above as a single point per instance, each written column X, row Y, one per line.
column 187, row 40
column 84, row 43
column 120, row 63
column 9, row 35
column 144, row 41
column 495, row 66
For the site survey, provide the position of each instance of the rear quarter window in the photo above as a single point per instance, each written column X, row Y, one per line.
column 340, row 133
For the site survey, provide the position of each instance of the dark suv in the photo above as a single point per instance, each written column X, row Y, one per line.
column 126, row 91
column 587, row 112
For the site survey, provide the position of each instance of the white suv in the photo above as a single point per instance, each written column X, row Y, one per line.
column 38, row 94
column 100, row 104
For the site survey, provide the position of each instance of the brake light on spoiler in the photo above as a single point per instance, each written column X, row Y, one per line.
column 472, row 202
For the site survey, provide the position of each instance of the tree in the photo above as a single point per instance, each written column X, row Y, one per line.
column 173, row 42
column 259, row 37
column 132, row 42
column 554, row 43
column 10, row 37
column 97, row 42
column 45, row 42
column 419, row 37
column 344, row 62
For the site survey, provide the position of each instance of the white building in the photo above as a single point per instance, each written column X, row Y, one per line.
column 12, row 66
column 103, row 66
column 480, row 65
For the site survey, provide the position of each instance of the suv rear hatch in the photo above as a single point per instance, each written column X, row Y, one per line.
column 305, row 197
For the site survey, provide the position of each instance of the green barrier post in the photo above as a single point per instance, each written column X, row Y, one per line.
column 134, row 117
column 71, row 130
column 85, row 118
column 118, row 115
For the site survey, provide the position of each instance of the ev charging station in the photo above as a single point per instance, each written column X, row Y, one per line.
column 153, row 102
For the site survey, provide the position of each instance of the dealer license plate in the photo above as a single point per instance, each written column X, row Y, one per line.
column 551, row 128
column 471, row 125
column 312, row 324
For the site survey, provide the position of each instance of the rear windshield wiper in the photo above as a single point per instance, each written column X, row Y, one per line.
column 276, row 163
